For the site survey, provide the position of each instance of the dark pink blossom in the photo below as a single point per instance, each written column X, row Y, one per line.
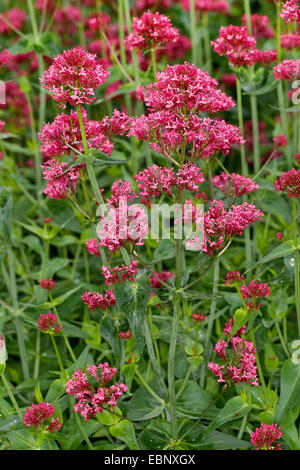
column 47, row 322
column 265, row 437
column 39, row 416
column 94, row 300
column 289, row 183
column 119, row 274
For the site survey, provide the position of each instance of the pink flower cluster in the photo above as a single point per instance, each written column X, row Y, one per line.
column 239, row 360
column 234, row 185
column 221, row 224
column 185, row 89
column 92, row 247
column 123, row 225
column 216, row 6
column 94, row 300
column 280, row 141
column 39, row 415
column 253, row 291
column 125, row 334
column 290, row 41
column 47, row 322
column 61, row 182
column 119, row 273
column 228, row 328
column 156, row 277
column 73, row 77
column 48, row 284
column 290, row 11
column 156, row 180
column 151, row 31
column 91, row 400
column 121, row 189
column 289, row 182
column 5, row 57
column 15, row 16
column 233, row 277
column 264, row 437
column 199, row 317
column 236, row 44
column 260, row 25
column 63, row 135
column 288, row 70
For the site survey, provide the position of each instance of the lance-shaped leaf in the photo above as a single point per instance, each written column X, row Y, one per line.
column 6, row 205
column 132, row 301
column 289, row 389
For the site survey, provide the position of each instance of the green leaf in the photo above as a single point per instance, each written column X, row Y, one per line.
column 6, row 206
column 132, row 301
column 56, row 390
column 193, row 400
column 143, row 406
column 271, row 359
column 108, row 418
column 240, row 318
column 165, row 250
column 61, row 299
column 280, row 251
column 289, row 389
column 126, row 433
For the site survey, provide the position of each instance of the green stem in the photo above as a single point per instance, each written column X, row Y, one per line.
column 19, row 327
column 12, row 398
column 60, row 363
column 180, row 391
column 283, row 344
column 153, row 60
column 196, row 47
column 284, row 120
column 243, row 426
column 296, row 255
column 207, row 41
column 241, row 125
column 66, row 340
column 83, row 432
column 121, row 31
column 255, row 124
column 278, row 31
column 152, row 392
column 152, row 356
column 211, row 320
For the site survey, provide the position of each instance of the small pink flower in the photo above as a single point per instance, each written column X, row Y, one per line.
column 199, row 317
column 236, row 44
column 234, row 184
column 48, row 284
column 280, row 141
column 119, row 273
column 279, row 236
column 151, row 30
column 264, row 437
column 94, row 300
column 39, row 416
column 47, row 322
column 289, row 182
column 253, row 291
column 92, row 247
column 164, row 276
column 73, row 77
column 233, row 277
column 125, row 334
column 288, row 70
column 290, row 12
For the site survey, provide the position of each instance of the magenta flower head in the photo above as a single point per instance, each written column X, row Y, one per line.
column 233, row 278
column 290, row 12
column 236, row 44
column 234, row 185
column 198, row 317
column 265, row 437
column 73, row 77
column 38, row 416
column 92, row 392
column 125, row 334
column 47, row 322
column 5, row 57
column 216, row 6
column 156, row 277
column 287, row 70
column 119, row 274
column 48, row 284
column 289, row 183
column 254, row 291
column 151, row 31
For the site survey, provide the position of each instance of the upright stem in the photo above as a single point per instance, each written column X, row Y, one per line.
column 152, row 356
column 66, row 340
column 83, row 432
column 241, row 125
column 173, row 342
column 19, row 327
column 12, row 398
column 196, row 47
column 153, row 60
column 207, row 41
column 211, row 320
column 296, row 265
column 284, row 120
column 59, row 359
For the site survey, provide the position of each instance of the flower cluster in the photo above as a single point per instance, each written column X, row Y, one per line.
column 121, row 189
column 39, row 416
column 73, row 77
column 199, row 317
column 216, row 6
column 236, row 44
column 94, row 300
column 239, row 362
column 290, row 41
column 5, row 57
column 253, row 291
column 156, row 277
column 234, row 185
column 48, row 284
column 122, row 225
column 264, row 437
column 125, row 334
column 63, row 135
column 290, row 11
column 289, row 182
column 61, row 182
column 47, row 322
column 280, row 141
column 91, row 399
column 15, row 17
column 288, row 70
column 92, row 247
column 119, row 273
column 151, row 31
column 233, row 277
column 260, row 26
